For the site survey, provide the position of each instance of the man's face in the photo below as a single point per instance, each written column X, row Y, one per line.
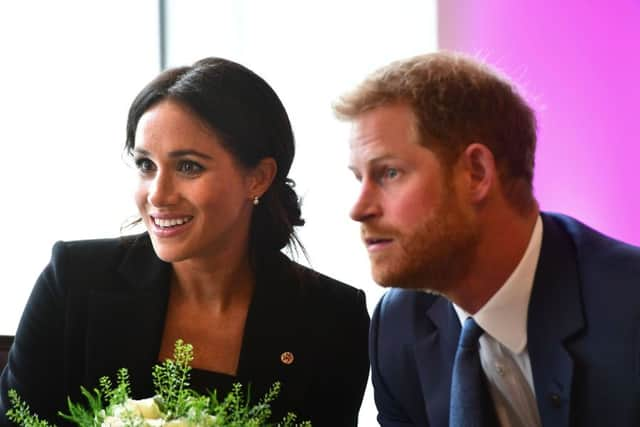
column 416, row 228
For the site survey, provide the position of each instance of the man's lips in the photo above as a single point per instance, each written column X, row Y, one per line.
column 376, row 243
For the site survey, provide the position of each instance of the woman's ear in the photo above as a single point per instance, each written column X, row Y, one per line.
column 261, row 177
column 479, row 164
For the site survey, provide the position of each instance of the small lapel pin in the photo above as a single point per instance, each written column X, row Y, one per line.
column 286, row 358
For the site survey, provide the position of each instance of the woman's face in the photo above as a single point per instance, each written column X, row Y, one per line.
column 194, row 199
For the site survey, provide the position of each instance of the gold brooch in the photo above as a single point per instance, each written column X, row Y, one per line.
column 286, row 358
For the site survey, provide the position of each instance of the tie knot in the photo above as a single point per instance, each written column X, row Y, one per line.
column 471, row 332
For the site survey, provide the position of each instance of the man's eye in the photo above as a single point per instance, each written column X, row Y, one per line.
column 391, row 173
column 189, row 167
column 144, row 165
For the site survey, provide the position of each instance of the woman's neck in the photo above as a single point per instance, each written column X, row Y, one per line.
column 218, row 284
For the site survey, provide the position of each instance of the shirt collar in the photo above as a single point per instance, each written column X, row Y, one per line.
column 504, row 316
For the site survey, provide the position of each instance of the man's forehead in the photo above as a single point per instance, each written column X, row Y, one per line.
column 389, row 116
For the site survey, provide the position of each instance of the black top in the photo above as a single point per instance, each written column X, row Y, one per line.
column 100, row 305
column 205, row 382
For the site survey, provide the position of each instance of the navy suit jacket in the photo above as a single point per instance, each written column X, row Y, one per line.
column 583, row 338
column 100, row 306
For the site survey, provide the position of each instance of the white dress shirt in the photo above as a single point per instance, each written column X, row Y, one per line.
column 503, row 347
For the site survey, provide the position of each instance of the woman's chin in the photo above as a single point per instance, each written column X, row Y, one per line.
column 169, row 253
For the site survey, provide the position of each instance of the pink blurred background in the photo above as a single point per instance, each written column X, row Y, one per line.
column 578, row 64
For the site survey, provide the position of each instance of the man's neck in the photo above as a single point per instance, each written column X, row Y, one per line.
column 504, row 239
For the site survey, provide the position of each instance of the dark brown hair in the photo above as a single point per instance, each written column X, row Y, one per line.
column 249, row 118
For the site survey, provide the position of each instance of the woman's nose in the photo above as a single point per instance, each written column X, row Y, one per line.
column 162, row 191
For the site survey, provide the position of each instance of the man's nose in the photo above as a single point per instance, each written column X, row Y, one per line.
column 367, row 204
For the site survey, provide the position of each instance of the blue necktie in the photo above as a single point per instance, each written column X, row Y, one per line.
column 470, row 404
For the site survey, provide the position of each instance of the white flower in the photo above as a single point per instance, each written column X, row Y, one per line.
column 176, row 423
column 112, row 421
column 141, row 411
column 148, row 408
column 157, row 422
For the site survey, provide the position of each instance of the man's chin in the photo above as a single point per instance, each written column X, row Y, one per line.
column 432, row 292
column 381, row 278
column 389, row 280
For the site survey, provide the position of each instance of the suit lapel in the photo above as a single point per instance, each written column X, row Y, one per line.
column 435, row 352
column 126, row 321
column 555, row 314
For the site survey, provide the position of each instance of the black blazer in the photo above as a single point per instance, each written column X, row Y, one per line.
column 100, row 305
column 5, row 345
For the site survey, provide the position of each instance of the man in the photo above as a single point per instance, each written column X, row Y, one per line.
column 443, row 148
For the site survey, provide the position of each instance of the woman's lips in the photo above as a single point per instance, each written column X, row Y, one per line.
column 169, row 225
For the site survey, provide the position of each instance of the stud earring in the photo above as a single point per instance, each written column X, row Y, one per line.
column 256, row 200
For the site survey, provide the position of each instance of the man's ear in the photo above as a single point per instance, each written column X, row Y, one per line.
column 479, row 165
column 261, row 177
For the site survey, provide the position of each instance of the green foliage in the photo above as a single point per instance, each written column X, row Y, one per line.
column 80, row 414
column 92, row 413
column 235, row 411
column 171, row 380
column 122, row 391
column 174, row 400
column 105, row 388
column 21, row 414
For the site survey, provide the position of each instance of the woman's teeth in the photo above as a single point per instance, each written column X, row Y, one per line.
column 171, row 222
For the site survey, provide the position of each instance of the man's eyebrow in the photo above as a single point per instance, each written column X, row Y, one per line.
column 178, row 153
column 381, row 158
column 375, row 160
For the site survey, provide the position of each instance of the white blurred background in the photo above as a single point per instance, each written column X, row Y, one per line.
column 70, row 68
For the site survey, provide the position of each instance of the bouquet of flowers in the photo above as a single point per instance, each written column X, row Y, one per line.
column 174, row 405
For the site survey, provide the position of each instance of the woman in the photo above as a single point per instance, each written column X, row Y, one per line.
column 213, row 147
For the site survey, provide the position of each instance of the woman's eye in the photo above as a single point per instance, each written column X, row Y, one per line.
column 189, row 167
column 144, row 165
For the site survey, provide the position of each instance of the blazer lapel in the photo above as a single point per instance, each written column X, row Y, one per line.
column 435, row 352
column 272, row 339
column 555, row 314
column 126, row 321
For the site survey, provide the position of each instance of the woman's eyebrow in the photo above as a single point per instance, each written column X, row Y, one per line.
column 182, row 153
column 177, row 153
